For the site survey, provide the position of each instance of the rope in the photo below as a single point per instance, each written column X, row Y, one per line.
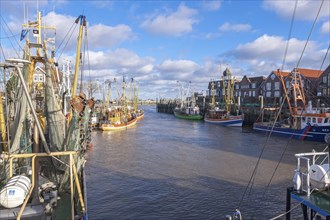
column 252, row 178
column 11, row 35
column 326, row 54
column 89, row 66
column 67, row 40
column 289, row 36
column 310, row 33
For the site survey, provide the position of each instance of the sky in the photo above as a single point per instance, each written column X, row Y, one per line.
column 161, row 43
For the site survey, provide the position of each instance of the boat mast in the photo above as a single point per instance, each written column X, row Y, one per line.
column 82, row 19
column 213, row 97
column 298, row 92
column 227, row 88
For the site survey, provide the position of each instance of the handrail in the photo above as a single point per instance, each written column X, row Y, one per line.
column 73, row 171
column 30, row 191
column 306, row 157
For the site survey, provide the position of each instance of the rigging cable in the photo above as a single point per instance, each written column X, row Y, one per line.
column 310, row 33
column 89, row 70
column 67, row 40
column 290, row 138
column 83, row 61
column 292, row 135
column 11, row 35
column 252, row 178
column 326, row 54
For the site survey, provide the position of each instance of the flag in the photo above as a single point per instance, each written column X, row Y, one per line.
column 24, row 33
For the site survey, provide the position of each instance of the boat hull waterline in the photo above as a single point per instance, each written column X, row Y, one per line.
column 187, row 116
column 116, row 127
column 225, row 122
column 309, row 133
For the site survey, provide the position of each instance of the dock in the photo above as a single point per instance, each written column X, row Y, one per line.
column 317, row 202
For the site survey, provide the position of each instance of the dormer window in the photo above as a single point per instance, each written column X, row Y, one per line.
column 272, row 76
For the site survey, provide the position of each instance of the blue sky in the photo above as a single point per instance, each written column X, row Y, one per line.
column 161, row 42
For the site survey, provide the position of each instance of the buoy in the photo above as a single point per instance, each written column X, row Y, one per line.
column 297, row 181
column 15, row 191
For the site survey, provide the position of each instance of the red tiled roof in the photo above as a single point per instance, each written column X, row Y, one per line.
column 278, row 72
column 310, row 73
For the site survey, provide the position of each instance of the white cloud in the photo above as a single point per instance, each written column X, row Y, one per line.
column 211, row 5
column 235, row 27
column 306, row 9
column 106, row 36
column 121, row 59
column 178, row 66
column 325, row 27
column 266, row 53
column 175, row 24
column 99, row 36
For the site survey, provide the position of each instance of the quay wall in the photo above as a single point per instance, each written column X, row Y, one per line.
column 251, row 112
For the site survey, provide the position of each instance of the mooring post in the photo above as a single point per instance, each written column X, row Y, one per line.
column 288, row 203
column 304, row 210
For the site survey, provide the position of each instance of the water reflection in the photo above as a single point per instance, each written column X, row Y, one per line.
column 167, row 168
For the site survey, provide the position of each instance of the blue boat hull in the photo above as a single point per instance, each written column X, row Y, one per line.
column 309, row 133
column 229, row 122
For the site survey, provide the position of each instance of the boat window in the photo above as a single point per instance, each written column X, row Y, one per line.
column 35, row 78
column 314, row 120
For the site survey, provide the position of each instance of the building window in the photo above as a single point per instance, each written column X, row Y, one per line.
column 254, row 93
column 250, row 94
column 35, row 78
column 324, row 92
column 324, row 79
column 41, row 78
column 277, row 85
column 268, row 94
column 287, row 84
column 236, row 86
column 277, row 94
column 268, row 86
column 253, row 86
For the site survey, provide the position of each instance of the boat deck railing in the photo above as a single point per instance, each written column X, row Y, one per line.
column 309, row 159
column 73, row 175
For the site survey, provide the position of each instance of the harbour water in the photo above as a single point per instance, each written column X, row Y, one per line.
column 169, row 168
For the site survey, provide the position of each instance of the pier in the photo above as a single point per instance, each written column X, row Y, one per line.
column 251, row 111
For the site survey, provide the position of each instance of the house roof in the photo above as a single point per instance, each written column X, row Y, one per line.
column 326, row 71
column 310, row 73
column 257, row 79
column 278, row 73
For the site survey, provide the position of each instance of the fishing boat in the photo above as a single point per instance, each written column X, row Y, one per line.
column 135, row 100
column 43, row 151
column 118, row 117
column 190, row 113
column 139, row 114
column 229, row 114
column 304, row 122
column 187, row 108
